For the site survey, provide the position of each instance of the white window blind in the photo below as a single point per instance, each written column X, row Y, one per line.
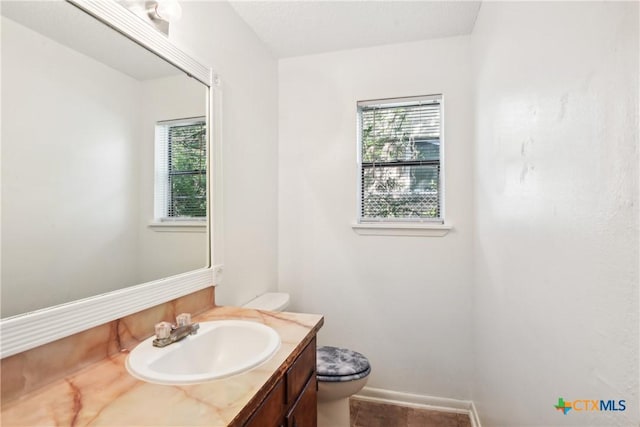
column 181, row 169
column 400, row 159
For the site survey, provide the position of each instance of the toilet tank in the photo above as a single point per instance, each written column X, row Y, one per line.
column 271, row 301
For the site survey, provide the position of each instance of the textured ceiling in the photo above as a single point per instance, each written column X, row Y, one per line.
column 294, row 28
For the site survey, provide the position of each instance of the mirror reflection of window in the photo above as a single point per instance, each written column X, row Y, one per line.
column 181, row 170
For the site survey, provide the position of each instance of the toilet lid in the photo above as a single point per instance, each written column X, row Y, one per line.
column 340, row 364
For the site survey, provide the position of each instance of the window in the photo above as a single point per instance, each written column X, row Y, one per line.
column 181, row 170
column 400, row 151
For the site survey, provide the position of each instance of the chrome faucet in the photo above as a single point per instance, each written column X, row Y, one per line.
column 166, row 333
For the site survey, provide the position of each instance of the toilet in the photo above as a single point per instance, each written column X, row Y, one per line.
column 341, row 372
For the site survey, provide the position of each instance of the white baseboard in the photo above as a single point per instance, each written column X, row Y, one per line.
column 421, row 401
column 475, row 418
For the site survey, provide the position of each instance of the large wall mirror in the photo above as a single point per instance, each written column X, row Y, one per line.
column 104, row 158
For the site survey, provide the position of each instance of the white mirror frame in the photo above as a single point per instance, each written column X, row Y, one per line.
column 26, row 331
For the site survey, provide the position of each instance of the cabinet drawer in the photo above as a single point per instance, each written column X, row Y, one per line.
column 304, row 412
column 302, row 369
column 270, row 411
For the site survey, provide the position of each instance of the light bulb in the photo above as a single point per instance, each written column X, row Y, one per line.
column 168, row 10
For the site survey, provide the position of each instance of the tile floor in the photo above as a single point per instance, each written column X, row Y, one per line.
column 374, row 414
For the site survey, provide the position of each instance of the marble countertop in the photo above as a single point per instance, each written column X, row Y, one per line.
column 104, row 394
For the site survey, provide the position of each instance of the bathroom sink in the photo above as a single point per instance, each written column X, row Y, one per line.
column 220, row 349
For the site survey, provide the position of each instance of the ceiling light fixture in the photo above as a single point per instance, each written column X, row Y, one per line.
column 163, row 12
column 168, row 10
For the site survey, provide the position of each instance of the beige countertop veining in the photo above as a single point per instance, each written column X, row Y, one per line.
column 105, row 394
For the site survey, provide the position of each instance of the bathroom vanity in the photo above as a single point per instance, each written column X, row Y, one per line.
column 292, row 402
column 280, row 392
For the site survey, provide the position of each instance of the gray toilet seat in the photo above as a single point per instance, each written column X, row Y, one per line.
column 340, row 364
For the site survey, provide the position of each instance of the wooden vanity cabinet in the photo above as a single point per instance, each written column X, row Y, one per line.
column 293, row 400
column 269, row 413
column 304, row 413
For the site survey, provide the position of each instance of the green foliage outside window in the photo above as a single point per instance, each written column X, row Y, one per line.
column 401, row 161
column 188, row 170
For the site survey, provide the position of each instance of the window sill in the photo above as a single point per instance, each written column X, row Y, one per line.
column 179, row 226
column 401, row 229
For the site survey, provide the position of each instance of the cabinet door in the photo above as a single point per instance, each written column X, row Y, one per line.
column 302, row 369
column 304, row 412
column 270, row 411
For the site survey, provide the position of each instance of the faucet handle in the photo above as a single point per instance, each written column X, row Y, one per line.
column 183, row 319
column 163, row 330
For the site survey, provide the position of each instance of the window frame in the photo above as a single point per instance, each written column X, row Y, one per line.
column 406, row 225
column 162, row 178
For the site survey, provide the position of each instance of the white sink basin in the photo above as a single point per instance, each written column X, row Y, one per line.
column 220, row 349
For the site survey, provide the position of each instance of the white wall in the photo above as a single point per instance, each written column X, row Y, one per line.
column 164, row 253
column 214, row 34
column 405, row 302
column 556, row 211
column 58, row 230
